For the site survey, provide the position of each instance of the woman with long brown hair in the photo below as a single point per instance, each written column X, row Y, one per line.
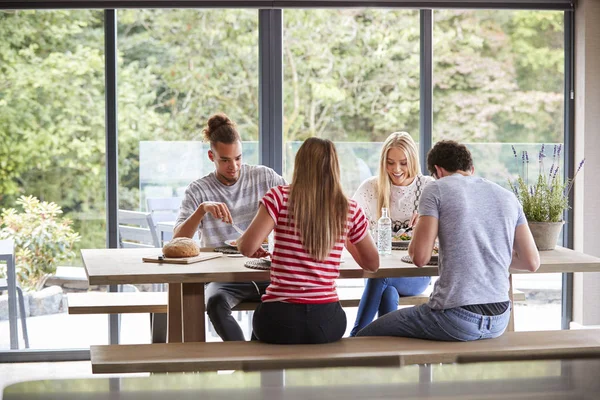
column 313, row 220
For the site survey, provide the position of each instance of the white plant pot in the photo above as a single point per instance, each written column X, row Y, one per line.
column 545, row 234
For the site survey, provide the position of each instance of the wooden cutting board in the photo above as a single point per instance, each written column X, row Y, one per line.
column 183, row 260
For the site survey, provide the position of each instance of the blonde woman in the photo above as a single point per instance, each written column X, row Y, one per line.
column 313, row 220
column 397, row 187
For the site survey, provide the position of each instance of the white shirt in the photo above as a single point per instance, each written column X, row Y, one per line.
column 402, row 201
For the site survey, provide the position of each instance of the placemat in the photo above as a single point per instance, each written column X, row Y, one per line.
column 258, row 263
column 227, row 250
column 400, row 245
column 433, row 261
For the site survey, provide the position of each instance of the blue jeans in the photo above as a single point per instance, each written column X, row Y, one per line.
column 453, row 324
column 382, row 295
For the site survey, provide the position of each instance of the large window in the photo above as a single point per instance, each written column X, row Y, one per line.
column 52, row 148
column 176, row 68
column 499, row 82
column 352, row 76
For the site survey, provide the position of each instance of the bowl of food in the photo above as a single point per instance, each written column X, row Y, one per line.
column 401, row 240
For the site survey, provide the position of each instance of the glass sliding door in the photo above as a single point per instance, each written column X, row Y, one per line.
column 176, row 68
column 52, row 169
column 498, row 81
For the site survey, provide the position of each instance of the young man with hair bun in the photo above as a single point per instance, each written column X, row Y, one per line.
column 231, row 193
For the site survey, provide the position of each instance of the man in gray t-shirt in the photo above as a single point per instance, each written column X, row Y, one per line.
column 482, row 232
column 230, row 194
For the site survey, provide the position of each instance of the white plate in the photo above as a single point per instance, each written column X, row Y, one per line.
column 233, row 243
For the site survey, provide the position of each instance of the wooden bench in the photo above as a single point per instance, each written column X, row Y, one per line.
column 156, row 302
column 362, row 351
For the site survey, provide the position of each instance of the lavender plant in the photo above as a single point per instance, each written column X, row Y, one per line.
column 547, row 198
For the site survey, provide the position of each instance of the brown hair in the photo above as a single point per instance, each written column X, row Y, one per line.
column 318, row 206
column 220, row 128
column 450, row 155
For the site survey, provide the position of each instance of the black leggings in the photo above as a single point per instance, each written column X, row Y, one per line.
column 290, row 323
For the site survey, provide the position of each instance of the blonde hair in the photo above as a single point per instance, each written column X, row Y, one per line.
column 317, row 203
column 404, row 142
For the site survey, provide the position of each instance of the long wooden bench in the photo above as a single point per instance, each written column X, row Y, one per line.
column 156, row 302
column 363, row 351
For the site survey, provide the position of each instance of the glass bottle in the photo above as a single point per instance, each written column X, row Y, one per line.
column 384, row 233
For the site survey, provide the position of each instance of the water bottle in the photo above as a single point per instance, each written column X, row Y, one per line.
column 384, row 233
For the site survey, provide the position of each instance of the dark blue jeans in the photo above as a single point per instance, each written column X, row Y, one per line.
column 290, row 323
column 382, row 295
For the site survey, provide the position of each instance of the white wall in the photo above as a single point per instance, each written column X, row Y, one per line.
column 587, row 144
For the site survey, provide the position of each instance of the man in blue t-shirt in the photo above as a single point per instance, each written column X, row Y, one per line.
column 482, row 232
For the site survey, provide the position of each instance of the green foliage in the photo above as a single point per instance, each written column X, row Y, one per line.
column 349, row 75
column 42, row 239
column 547, row 199
column 544, row 201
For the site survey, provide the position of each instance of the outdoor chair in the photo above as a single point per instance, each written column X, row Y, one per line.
column 163, row 209
column 136, row 230
column 4, row 286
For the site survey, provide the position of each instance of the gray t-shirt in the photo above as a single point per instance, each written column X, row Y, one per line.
column 477, row 222
column 242, row 198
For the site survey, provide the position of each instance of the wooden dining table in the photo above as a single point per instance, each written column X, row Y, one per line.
column 186, row 302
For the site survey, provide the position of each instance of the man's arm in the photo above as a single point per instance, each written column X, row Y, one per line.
column 423, row 240
column 525, row 254
column 189, row 227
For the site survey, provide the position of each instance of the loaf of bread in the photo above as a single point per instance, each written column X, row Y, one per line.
column 181, row 247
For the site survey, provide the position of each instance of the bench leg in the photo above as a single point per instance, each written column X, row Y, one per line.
column 159, row 328
column 425, row 373
column 273, row 378
column 511, row 322
column 175, row 333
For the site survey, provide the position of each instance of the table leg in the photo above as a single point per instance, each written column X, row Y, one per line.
column 174, row 322
column 193, row 312
column 511, row 322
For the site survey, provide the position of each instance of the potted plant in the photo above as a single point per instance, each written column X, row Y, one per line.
column 42, row 239
column 545, row 200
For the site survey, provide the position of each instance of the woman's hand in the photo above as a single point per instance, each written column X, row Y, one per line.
column 414, row 219
column 260, row 253
column 217, row 210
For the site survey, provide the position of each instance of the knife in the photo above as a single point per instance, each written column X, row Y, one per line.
column 237, row 228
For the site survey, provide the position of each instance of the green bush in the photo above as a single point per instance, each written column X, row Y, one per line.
column 42, row 239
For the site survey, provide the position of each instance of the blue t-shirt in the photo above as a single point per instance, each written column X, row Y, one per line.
column 477, row 221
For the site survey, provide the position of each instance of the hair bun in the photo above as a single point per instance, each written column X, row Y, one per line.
column 219, row 128
column 217, row 120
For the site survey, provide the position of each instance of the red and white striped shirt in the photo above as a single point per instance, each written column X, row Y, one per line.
column 296, row 277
